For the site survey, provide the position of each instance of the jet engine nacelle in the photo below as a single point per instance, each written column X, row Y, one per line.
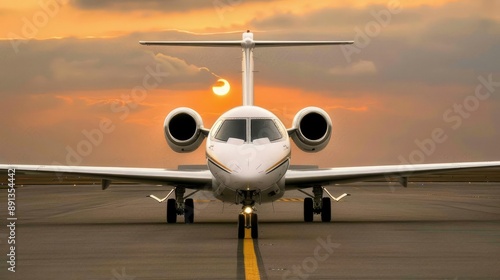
column 312, row 129
column 183, row 130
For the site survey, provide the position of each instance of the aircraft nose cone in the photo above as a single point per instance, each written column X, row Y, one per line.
column 235, row 167
column 247, row 172
column 246, row 167
column 249, row 165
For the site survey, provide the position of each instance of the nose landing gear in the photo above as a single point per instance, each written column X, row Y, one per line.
column 247, row 219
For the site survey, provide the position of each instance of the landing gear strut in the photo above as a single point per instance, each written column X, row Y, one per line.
column 247, row 218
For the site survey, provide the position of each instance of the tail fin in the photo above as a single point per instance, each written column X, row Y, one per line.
column 247, row 45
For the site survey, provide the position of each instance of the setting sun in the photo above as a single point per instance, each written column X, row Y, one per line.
column 221, row 89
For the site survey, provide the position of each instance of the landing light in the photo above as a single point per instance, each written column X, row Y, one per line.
column 248, row 210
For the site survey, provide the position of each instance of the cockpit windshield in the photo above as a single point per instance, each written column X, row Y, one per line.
column 259, row 129
column 232, row 129
column 264, row 128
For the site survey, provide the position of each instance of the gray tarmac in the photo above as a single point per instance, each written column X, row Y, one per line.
column 426, row 231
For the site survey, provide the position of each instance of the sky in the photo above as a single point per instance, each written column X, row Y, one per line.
column 421, row 84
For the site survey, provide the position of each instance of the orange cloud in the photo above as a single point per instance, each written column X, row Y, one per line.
column 284, row 102
column 68, row 20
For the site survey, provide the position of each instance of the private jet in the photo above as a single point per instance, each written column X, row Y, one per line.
column 248, row 152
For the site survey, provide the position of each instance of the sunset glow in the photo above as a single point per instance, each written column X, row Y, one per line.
column 67, row 65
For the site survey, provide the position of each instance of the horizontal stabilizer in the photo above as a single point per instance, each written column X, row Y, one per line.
column 240, row 43
column 193, row 43
column 300, row 43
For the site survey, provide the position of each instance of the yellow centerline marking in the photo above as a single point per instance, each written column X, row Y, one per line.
column 290, row 199
column 251, row 266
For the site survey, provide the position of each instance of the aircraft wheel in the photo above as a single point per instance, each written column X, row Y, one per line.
column 241, row 226
column 308, row 210
column 189, row 211
column 326, row 210
column 255, row 226
column 171, row 211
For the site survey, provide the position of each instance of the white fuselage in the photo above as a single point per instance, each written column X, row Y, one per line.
column 250, row 164
column 248, row 149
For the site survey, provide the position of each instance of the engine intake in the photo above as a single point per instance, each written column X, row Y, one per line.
column 183, row 128
column 312, row 129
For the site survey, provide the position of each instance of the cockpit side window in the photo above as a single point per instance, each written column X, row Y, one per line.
column 265, row 128
column 236, row 128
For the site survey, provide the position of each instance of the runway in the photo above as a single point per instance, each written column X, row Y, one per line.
column 425, row 231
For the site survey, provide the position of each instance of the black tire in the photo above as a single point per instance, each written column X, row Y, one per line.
column 241, row 226
column 326, row 210
column 255, row 226
column 189, row 211
column 308, row 210
column 171, row 211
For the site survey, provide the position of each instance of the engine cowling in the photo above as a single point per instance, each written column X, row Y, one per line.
column 183, row 128
column 313, row 129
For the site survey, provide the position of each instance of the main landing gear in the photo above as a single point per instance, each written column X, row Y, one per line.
column 181, row 205
column 174, row 209
column 317, row 204
column 248, row 219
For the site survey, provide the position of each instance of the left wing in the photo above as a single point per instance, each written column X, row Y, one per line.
column 192, row 179
column 321, row 177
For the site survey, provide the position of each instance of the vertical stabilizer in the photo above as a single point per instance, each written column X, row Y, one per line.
column 247, row 46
